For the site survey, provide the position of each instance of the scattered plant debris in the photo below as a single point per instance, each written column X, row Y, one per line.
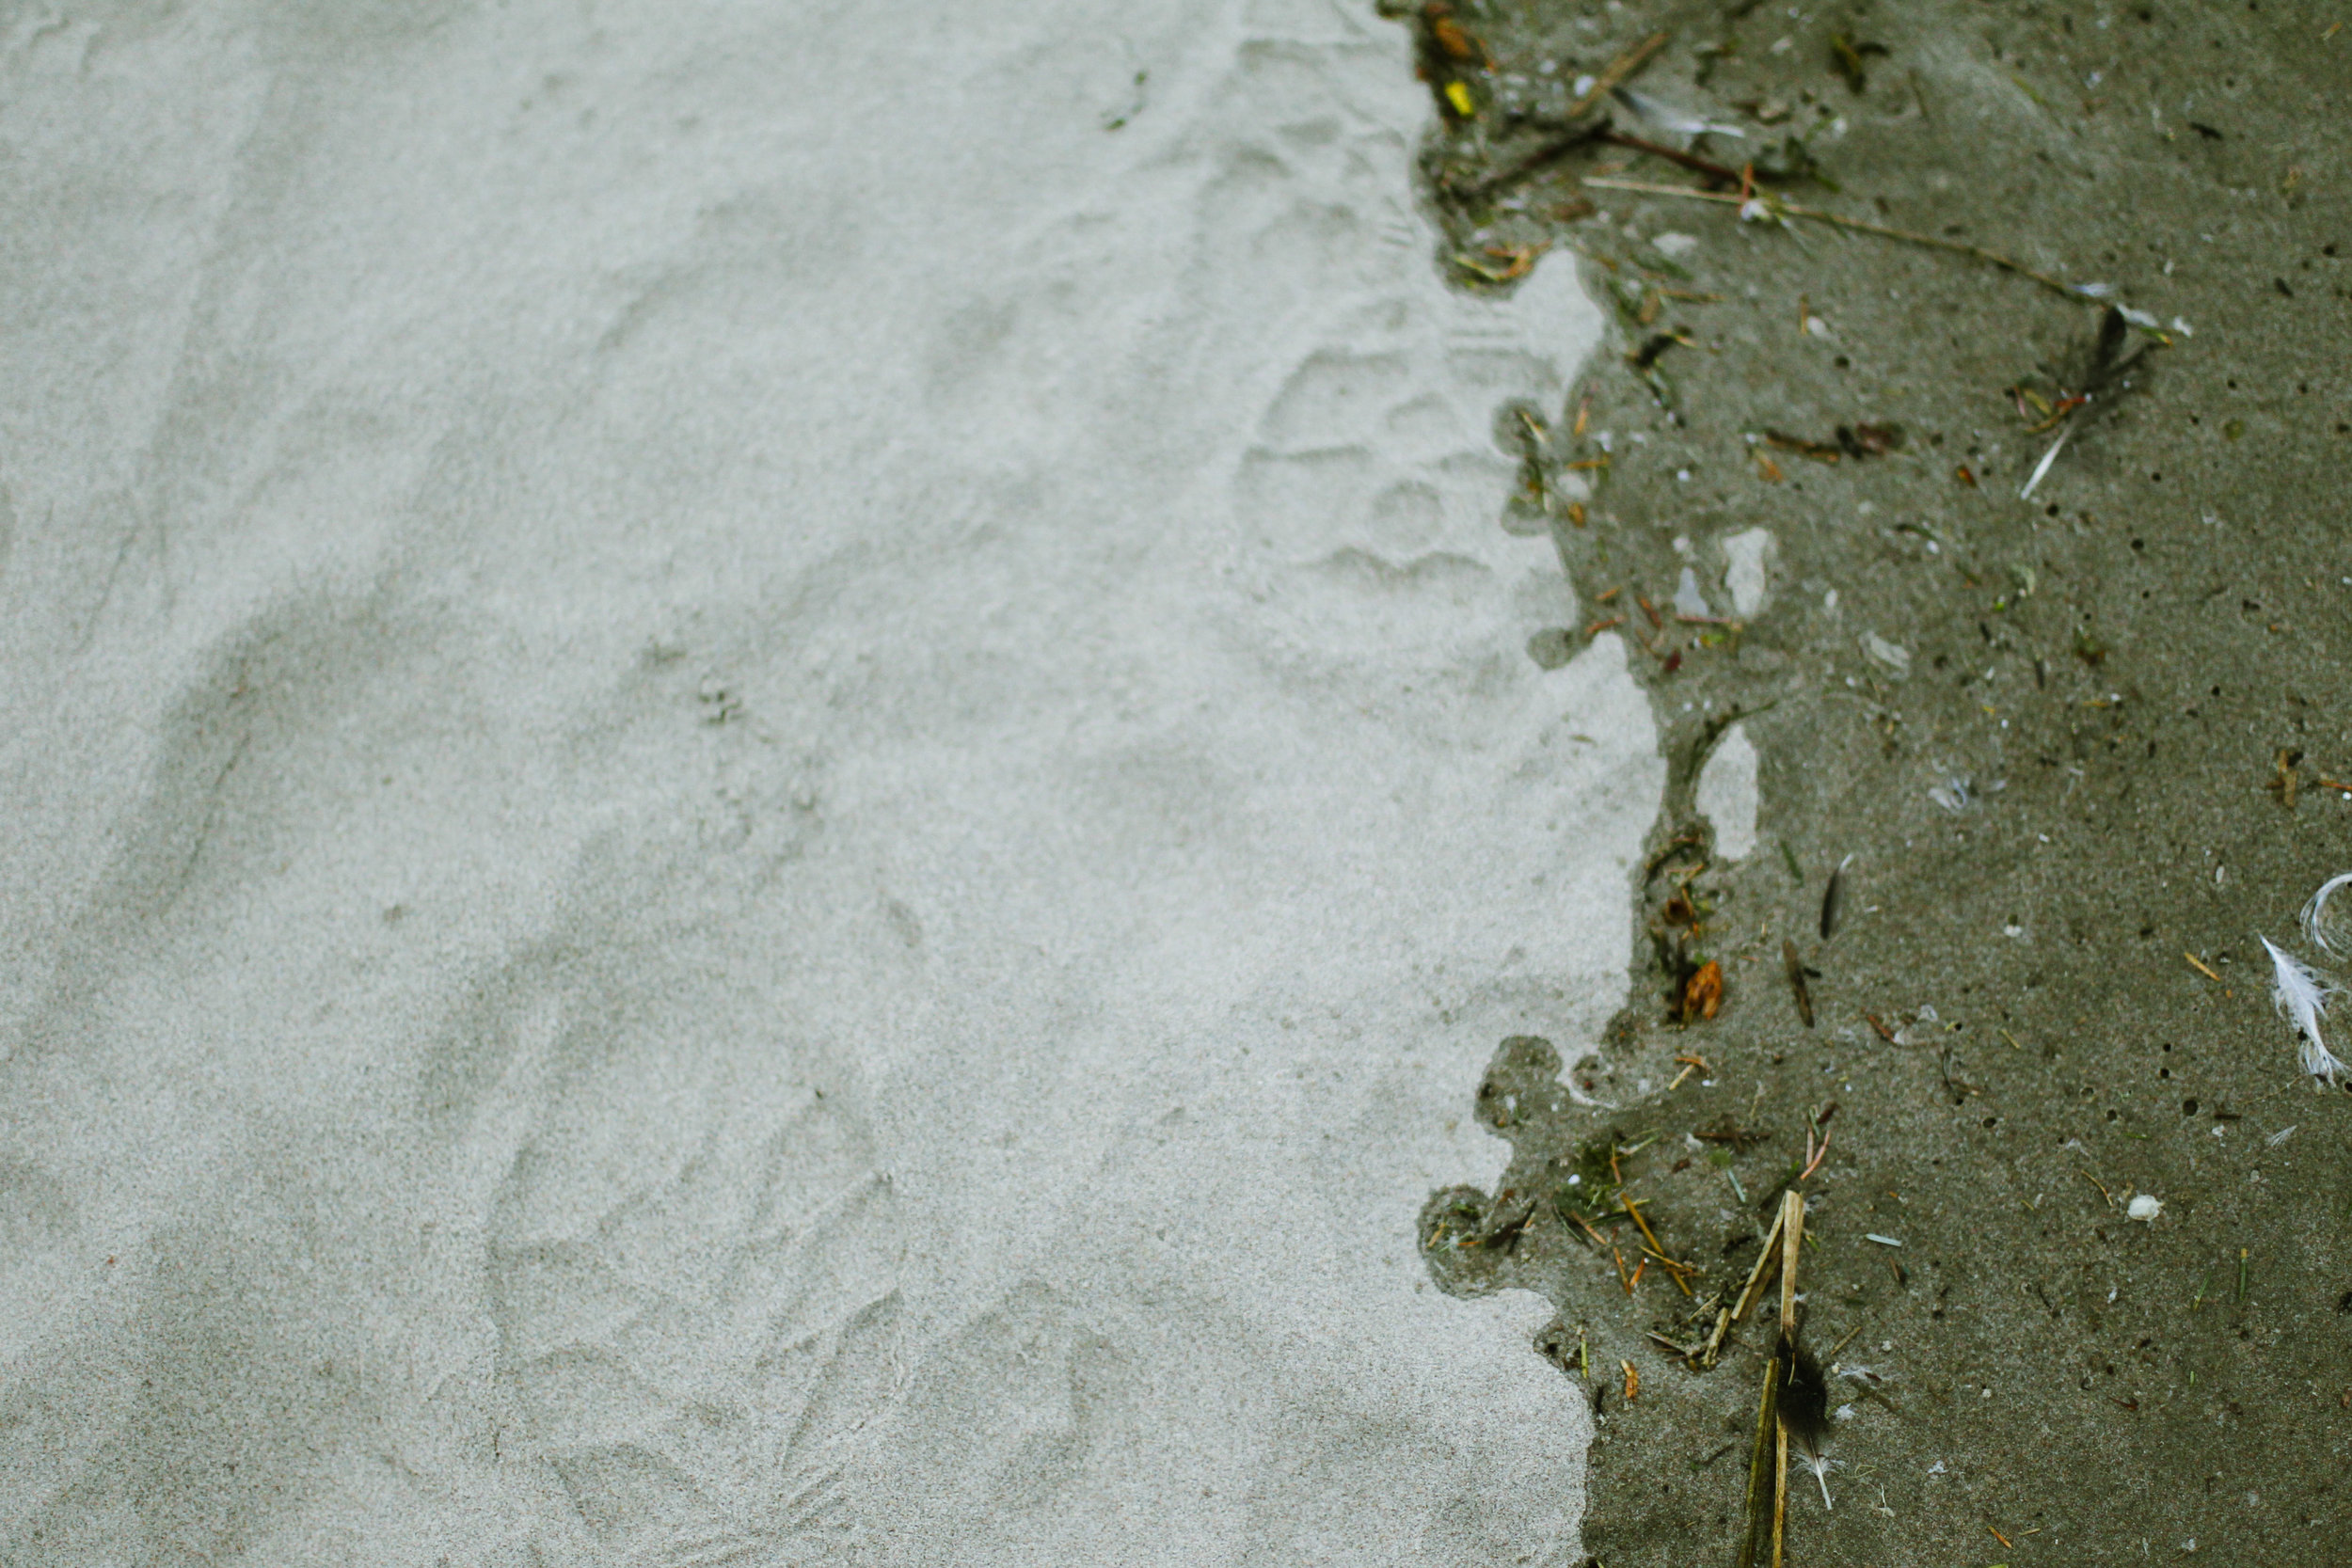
column 1729, row 1133
column 2107, row 377
column 1846, row 58
column 2285, row 777
column 1703, row 992
column 1798, row 974
column 1820, row 451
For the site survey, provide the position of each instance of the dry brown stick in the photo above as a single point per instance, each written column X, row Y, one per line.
column 1617, row 71
column 1991, row 257
column 1780, row 1496
column 1762, row 1271
column 1715, row 1340
column 1686, row 1352
column 1790, row 209
column 1791, row 1237
column 1691, row 161
column 1558, row 147
column 1675, row 1271
column 1791, row 963
column 1657, row 1248
column 1756, row 1276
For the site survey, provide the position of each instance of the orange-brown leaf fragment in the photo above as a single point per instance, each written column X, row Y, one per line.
column 1702, row 993
column 1447, row 34
column 1512, row 262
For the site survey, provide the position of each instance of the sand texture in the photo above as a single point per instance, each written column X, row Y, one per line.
column 771, row 775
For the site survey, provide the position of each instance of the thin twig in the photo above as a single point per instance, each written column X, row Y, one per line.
column 1575, row 136
column 1617, row 71
column 1691, row 161
column 1993, row 257
column 1780, row 1494
column 1756, row 1276
column 1559, row 147
column 1715, row 1340
column 1761, row 1271
column 1791, row 1241
column 1633, row 1207
column 1779, row 208
column 1674, row 1270
column 1813, row 1158
column 1791, row 1235
column 1611, row 182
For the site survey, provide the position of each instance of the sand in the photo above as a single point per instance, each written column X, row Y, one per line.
column 771, row 777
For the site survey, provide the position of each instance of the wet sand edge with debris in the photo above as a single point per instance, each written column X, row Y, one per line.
column 2077, row 1237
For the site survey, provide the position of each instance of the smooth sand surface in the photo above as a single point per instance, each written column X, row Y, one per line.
column 766, row 802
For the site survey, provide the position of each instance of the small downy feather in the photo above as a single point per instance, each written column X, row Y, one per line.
column 2034, row 480
column 1804, row 1412
column 1668, row 118
column 2315, row 912
column 2301, row 995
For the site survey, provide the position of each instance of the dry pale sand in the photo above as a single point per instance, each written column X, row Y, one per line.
column 765, row 801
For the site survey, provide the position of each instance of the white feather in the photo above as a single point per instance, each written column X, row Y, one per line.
column 2301, row 996
column 2314, row 912
column 1821, row 1465
column 2044, row 466
column 1667, row 117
